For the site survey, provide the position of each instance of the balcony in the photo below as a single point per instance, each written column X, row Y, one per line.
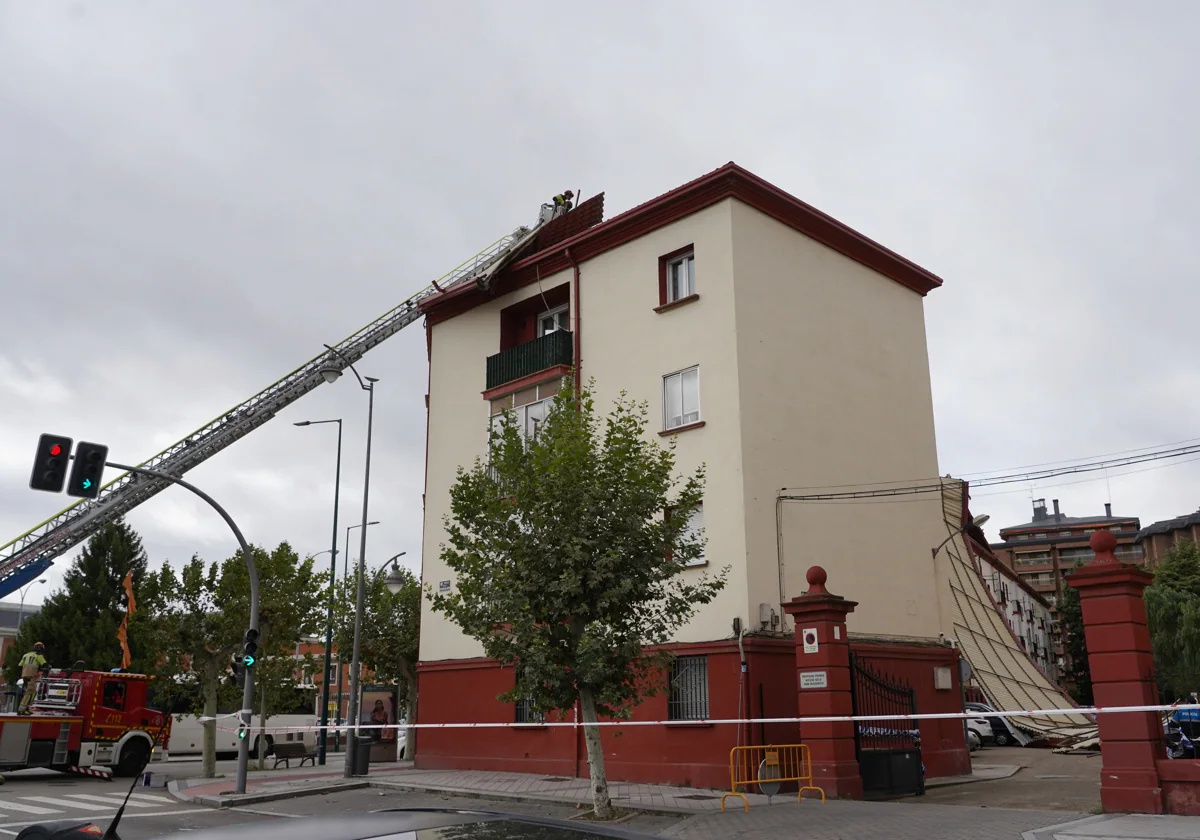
column 555, row 348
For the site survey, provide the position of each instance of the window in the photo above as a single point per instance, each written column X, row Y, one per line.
column 523, row 712
column 681, row 398
column 687, row 688
column 695, row 528
column 554, row 320
column 530, row 405
column 114, row 696
column 681, row 277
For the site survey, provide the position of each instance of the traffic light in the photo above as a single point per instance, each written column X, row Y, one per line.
column 50, row 464
column 87, row 470
column 250, row 648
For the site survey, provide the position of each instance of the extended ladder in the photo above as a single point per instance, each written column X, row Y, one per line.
column 26, row 557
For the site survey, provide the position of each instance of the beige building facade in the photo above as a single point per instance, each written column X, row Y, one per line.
column 774, row 345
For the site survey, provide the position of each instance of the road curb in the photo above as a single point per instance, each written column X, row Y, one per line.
column 470, row 793
column 950, row 781
column 258, row 797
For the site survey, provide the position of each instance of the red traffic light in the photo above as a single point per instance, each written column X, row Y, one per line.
column 56, row 450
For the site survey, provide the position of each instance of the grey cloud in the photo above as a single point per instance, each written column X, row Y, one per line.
column 207, row 193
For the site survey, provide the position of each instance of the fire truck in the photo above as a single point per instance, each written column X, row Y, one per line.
column 95, row 723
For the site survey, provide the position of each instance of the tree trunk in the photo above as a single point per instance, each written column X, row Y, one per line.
column 209, row 766
column 410, row 734
column 601, row 803
column 409, row 677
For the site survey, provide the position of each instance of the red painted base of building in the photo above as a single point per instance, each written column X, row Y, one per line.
column 687, row 754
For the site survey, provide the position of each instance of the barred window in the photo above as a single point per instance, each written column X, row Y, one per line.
column 523, row 712
column 687, row 696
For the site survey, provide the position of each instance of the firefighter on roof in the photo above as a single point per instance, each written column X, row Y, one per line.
column 31, row 664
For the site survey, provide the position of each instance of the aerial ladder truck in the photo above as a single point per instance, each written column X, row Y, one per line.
column 29, row 555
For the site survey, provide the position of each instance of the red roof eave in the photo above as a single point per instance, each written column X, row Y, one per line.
column 730, row 181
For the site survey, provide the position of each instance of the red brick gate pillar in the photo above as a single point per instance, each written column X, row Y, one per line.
column 823, row 683
column 1122, row 666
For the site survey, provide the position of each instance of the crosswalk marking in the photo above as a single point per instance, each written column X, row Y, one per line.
column 157, row 800
column 113, row 801
column 61, row 803
column 9, row 805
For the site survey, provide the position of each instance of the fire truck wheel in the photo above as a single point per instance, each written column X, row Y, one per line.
column 133, row 758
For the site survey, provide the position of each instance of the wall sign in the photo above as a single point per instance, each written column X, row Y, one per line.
column 444, row 586
column 809, row 636
column 814, row 679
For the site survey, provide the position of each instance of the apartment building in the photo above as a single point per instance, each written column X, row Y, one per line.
column 773, row 344
column 1157, row 538
column 1027, row 613
column 1042, row 550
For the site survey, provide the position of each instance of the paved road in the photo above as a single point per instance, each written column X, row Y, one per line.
column 33, row 795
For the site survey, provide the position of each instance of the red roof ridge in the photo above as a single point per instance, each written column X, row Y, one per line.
column 728, row 180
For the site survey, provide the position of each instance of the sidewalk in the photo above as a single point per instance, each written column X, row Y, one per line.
column 701, row 809
column 520, row 787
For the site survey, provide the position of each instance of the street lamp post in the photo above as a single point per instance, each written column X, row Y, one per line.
column 337, row 735
column 21, row 614
column 337, row 483
column 331, row 373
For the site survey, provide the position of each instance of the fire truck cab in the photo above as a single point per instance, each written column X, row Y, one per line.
column 82, row 721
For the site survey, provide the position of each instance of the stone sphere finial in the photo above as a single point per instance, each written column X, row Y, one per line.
column 816, row 577
column 1103, row 543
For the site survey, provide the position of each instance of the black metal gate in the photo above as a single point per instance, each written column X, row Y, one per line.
column 888, row 750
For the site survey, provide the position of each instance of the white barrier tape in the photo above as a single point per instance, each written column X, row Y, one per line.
column 1084, row 710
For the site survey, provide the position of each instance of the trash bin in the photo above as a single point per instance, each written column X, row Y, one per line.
column 362, row 755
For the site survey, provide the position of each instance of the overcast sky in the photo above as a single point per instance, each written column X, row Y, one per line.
column 195, row 196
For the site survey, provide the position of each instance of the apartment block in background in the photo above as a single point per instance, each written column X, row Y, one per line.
column 1052, row 543
column 1156, row 539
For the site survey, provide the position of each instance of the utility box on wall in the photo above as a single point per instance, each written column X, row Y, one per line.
column 942, row 680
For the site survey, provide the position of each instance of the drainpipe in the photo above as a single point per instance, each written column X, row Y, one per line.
column 779, row 554
column 576, row 333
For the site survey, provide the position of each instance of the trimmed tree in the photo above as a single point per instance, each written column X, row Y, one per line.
column 570, row 549
column 206, row 609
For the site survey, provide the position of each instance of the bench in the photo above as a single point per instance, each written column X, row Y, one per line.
column 288, row 750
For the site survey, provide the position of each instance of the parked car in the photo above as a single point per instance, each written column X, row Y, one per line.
column 1000, row 728
column 981, row 729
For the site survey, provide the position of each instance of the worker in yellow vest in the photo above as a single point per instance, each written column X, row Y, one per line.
column 31, row 665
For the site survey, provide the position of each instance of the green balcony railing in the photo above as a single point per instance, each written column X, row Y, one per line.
column 556, row 348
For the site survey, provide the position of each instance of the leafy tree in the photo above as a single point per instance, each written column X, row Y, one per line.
column 206, row 609
column 389, row 636
column 275, row 687
column 1180, row 569
column 79, row 622
column 1173, row 616
column 1078, row 671
column 569, row 565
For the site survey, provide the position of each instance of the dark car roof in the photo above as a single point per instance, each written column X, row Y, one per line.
column 426, row 823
